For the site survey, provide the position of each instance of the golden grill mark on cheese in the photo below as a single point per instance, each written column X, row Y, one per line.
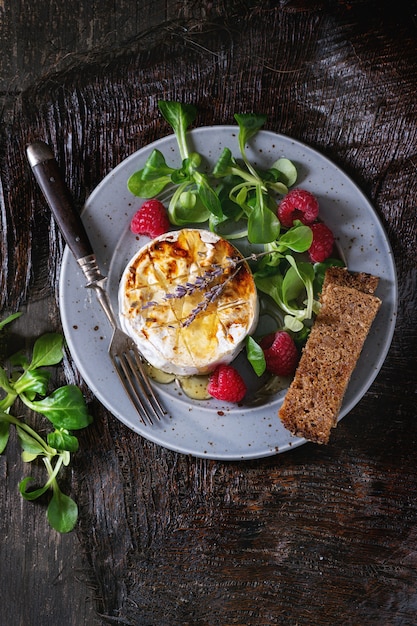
column 161, row 326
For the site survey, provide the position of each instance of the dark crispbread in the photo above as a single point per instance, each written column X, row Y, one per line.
column 348, row 308
column 359, row 280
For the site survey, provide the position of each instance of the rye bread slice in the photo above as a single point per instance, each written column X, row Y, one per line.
column 358, row 280
column 348, row 309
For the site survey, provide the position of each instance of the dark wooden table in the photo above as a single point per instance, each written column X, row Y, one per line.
column 320, row 535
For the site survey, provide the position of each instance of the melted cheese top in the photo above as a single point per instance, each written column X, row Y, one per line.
column 194, row 333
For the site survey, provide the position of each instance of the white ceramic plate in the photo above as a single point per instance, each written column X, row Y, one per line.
column 212, row 429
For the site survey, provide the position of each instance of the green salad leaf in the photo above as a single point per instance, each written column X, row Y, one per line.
column 66, row 410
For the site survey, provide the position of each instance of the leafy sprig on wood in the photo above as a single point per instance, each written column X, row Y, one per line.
column 66, row 410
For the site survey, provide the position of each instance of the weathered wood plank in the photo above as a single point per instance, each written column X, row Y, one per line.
column 322, row 535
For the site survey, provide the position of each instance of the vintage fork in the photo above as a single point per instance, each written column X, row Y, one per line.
column 123, row 351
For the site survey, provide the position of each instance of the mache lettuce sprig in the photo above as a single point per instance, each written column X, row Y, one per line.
column 65, row 409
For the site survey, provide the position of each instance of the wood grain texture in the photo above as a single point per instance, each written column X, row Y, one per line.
column 321, row 535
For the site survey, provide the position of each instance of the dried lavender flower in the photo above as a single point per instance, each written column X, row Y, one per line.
column 201, row 283
column 210, row 296
column 188, row 288
column 149, row 304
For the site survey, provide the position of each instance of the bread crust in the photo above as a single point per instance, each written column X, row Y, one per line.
column 348, row 309
column 367, row 283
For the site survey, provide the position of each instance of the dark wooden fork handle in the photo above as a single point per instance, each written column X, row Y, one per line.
column 53, row 186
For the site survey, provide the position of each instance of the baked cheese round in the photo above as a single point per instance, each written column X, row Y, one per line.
column 188, row 300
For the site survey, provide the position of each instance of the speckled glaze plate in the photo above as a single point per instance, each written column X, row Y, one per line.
column 212, row 429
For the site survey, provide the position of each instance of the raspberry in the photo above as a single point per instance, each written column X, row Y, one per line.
column 226, row 384
column 323, row 241
column 298, row 204
column 281, row 354
column 151, row 219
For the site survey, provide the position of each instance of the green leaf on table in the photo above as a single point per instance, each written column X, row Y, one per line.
column 19, row 359
column 62, row 440
column 29, row 443
column 28, row 457
column 5, row 383
column 62, row 512
column 65, row 408
column 47, row 350
column 31, row 495
column 4, row 435
column 9, row 319
column 32, row 382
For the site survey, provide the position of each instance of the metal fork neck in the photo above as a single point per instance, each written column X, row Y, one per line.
column 90, row 269
column 96, row 281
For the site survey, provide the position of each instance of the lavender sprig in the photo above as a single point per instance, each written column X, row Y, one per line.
column 202, row 283
column 210, row 296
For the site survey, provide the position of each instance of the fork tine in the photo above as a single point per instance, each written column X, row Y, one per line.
column 137, row 386
column 144, row 380
column 131, row 391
